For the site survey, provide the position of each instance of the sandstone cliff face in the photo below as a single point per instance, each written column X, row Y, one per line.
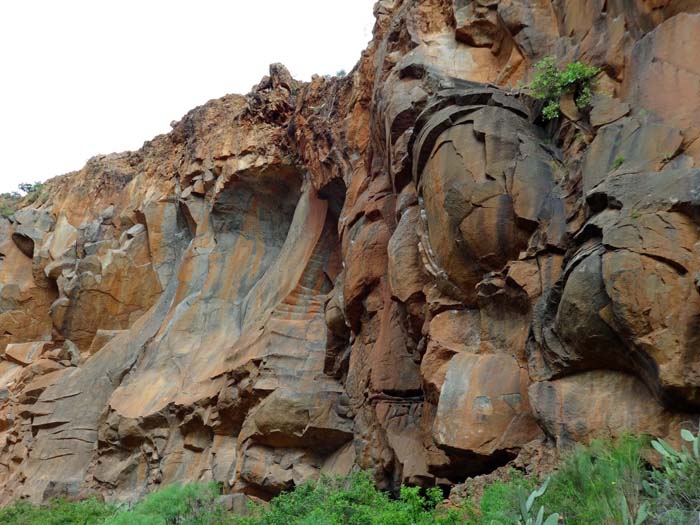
column 404, row 269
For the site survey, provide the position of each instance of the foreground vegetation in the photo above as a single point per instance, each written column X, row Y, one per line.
column 605, row 483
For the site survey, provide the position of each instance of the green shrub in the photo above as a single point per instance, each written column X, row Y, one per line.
column 513, row 502
column 550, row 84
column 500, row 502
column 8, row 203
column 57, row 512
column 588, row 486
column 6, row 210
column 674, row 488
column 527, row 508
column 35, row 192
column 352, row 501
column 193, row 504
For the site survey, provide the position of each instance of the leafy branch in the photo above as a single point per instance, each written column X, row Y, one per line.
column 550, row 84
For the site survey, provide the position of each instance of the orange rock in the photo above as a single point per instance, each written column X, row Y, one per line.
column 392, row 270
column 25, row 353
column 483, row 407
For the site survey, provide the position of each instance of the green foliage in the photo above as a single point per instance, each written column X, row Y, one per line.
column 500, row 503
column 590, row 483
column 6, row 209
column 527, row 503
column 587, row 489
column 25, row 187
column 674, row 488
column 35, row 192
column 619, row 161
column 193, row 504
column 8, row 203
column 630, row 519
column 513, row 502
column 551, row 110
column 550, row 84
column 352, row 501
column 57, row 512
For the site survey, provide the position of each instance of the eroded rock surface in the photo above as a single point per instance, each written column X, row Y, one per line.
column 405, row 269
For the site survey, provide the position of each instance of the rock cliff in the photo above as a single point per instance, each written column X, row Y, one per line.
column 405, row 269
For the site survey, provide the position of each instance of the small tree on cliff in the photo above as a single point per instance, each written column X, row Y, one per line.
column 550, row 84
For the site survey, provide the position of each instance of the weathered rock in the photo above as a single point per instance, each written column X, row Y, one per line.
column 664, row 71
column 450, row 332
column 599, row 404
column 405, row 269
column 483, row 407
column 481, row 169
column 606, row 110
column 25, row 353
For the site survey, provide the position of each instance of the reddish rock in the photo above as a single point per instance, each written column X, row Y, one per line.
column 664, row 71
column 600, row 404
column 450, row 332
column 483, row 407
column 392, row 270
column 406, row 273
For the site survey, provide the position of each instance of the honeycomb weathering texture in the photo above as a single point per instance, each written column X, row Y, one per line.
column 404, row 269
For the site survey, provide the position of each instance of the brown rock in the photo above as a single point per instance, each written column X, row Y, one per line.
column 599, row 404
column 477, row 23
column 450, row 332
column 25, row 353
column 358, row 271
column 405, row 268
column 664, row 71
column 606, row 109
column 483, row 407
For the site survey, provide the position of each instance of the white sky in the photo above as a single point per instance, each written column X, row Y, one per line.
column 83, row 77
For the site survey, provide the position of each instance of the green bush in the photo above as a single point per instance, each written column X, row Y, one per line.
column 586, row 489
column 588, row 486
column 8, row 203
column 528, row 514
column 550, row 84
column 57, row 512
column 35, row 192
column 500, row 501
column 674, row 488
column 193, row 504
column 352, row 501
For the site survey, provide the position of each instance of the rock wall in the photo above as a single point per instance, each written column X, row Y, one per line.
column 404, row 269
